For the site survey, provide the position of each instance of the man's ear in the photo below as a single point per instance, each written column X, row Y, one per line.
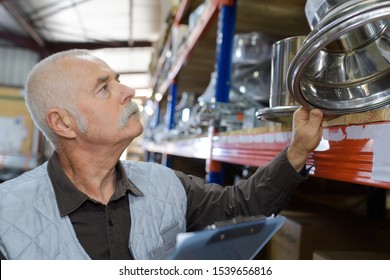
column 61, row 123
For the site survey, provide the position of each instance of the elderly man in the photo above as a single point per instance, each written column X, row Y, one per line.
column 83, row 203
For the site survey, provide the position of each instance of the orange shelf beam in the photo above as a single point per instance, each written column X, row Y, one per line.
column 341, row 159
column 193, row 148
column 186, row 49
column 249, row 149
column 184, row 4
column 348, row 160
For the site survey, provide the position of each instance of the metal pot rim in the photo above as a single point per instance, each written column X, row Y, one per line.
column 334, row 25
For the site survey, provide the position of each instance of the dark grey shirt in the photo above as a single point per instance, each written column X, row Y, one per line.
column 103, row 230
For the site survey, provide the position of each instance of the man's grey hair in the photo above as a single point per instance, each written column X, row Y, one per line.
column 46, row 88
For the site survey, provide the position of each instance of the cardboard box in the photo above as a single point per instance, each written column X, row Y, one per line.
column 303, row 233
column 350, row 255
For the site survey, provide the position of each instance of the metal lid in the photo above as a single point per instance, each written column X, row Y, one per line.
column 275, row 113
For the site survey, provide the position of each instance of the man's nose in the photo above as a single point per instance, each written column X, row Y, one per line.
column 126, row 93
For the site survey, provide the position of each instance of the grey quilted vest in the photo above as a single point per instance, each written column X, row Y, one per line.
column 31, row 226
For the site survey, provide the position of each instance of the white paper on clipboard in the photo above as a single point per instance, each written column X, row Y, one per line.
column 236, row 241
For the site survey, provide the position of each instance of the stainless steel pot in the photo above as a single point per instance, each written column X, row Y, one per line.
column 317, row 10
column 344, row 64
column 281, row 103
column 283, row 53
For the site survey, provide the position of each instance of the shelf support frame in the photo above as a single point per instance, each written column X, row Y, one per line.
column 225, row 38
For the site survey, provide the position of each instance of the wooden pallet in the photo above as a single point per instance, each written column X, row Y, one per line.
column 379, row 115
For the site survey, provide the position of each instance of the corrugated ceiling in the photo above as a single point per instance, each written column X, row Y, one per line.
column 129, row 26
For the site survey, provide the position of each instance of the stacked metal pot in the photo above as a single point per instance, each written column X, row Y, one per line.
column 342, row 66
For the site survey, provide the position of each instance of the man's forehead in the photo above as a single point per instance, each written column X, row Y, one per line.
column 81, row 58
column 81, row 64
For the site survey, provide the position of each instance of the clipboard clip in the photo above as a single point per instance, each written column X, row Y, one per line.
column 236, row 220
column 237, row 227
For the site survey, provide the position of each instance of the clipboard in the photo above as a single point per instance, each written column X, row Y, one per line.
column 237, row 239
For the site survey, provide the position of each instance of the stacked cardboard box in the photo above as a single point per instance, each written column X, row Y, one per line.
column 350, row 255
column 304, row 233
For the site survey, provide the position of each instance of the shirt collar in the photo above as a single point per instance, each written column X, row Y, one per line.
column 69, row 198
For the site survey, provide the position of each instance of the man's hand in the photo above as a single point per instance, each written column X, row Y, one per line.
column 307, row 134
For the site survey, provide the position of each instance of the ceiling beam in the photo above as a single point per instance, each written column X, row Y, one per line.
column 52, row 47
column 62, row 46
column 20, row 41
column 23, row 23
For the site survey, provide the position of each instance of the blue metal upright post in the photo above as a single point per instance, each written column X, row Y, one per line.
column 225, row 39
column 171, row 106
column 170, row 118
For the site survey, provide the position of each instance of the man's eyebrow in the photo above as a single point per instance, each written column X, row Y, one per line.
column 101, row 80
column 104, row 79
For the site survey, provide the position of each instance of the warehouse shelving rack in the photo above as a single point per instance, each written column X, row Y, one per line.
column 347, row 160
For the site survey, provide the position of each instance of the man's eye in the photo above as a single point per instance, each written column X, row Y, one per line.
column 103, row 88
column 104, row 91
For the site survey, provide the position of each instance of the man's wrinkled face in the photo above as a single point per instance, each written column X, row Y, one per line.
column 110, row 115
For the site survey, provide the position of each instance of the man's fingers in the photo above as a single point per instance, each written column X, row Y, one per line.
column 316, row 117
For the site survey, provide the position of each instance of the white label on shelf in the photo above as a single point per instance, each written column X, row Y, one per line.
column 354, row 132
column 357, row 132
column 323, row 145
column 333, row 135
column 381, row 152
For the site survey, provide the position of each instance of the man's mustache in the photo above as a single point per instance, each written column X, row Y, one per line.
column 130, row 109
